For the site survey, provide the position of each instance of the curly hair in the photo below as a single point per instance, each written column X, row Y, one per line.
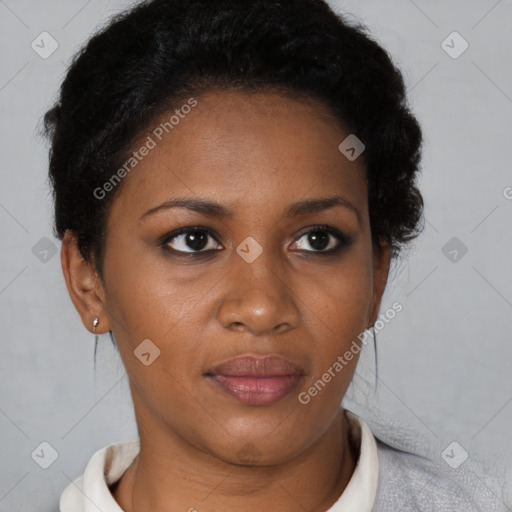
column 145, row 60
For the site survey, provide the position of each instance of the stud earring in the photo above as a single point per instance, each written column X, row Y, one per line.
column 95, row 322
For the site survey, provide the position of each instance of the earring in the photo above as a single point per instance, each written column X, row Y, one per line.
column 95, row 322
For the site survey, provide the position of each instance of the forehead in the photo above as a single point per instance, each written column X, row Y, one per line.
column 243, row 149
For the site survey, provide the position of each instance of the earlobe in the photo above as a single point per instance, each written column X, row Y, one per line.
column 84, row 286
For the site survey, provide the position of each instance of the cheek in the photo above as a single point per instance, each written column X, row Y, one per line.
column 342, row 295
column 152, row 299
column 340, row 306
column 146, row 295
column 343, row 320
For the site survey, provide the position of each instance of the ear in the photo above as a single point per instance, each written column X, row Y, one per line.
column 84, row 285
column 381, row 262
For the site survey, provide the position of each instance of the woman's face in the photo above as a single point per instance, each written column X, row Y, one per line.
column 246, row 279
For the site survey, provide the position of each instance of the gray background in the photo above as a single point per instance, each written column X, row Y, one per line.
column 444, row 362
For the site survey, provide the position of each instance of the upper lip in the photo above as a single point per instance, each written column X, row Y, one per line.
column 256, row 366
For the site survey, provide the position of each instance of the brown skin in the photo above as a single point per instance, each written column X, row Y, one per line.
column 255, row 154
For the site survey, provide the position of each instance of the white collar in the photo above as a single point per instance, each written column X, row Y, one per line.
column 90, row 492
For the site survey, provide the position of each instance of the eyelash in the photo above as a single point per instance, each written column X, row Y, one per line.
column 343, row 240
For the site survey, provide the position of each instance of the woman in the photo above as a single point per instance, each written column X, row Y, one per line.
column 231, row 183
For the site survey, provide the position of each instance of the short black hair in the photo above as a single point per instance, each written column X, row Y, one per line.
column 144, row 61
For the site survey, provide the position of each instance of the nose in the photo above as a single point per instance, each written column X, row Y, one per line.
column 258, row 297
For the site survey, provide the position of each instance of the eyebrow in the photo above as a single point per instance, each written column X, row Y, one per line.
column 213, row 209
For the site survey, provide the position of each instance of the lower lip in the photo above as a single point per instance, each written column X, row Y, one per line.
column 257, row 390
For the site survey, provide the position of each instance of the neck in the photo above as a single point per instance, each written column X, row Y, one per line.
column 172, row 475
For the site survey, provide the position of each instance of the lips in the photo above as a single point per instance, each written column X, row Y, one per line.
column 256, row 380
column 252, row 366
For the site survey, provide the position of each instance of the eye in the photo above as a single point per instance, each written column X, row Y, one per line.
column 198, row 239
column 194, row 238
column 323, row 239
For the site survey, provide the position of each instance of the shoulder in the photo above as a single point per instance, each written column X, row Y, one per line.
column 105, row 468
column 409, row 482
column 71, row 500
